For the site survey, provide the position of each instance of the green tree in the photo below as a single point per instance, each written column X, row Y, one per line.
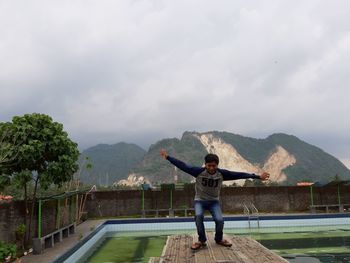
column 4, row 181
column 273, row 183
column 22, row 180
column 337, row 178
column 258, row 183
column 85, row 165
column 44, row 153
column 248, row 183
column 7, row 146
column 8, row 153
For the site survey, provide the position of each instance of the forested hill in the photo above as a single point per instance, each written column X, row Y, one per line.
column 111, row 163
column 286, row 157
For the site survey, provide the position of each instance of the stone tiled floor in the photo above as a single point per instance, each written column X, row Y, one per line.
column 51, row 254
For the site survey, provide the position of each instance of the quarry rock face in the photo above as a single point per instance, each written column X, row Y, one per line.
column 288, row 159
column 278, row 161
column 133, row 180
column 230, row 159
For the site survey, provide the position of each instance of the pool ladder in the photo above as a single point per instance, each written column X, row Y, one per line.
column 252, row 213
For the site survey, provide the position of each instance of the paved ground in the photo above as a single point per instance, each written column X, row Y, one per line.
column 49, row 255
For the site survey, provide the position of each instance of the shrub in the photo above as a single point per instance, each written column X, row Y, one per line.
column 21, row 230
column 7, row 249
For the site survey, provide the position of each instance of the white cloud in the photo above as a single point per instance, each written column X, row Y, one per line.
column 139, row 70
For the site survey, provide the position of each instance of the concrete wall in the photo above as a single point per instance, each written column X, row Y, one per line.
column 128, row 203
column 12, row 214
column 266, row 199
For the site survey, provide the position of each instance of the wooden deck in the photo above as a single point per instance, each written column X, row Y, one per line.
column 243, row 250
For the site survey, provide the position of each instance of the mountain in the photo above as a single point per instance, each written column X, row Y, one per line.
column 111, row 163
column 188, row 149
column 287, row 158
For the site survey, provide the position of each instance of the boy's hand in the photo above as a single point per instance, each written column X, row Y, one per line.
column 164, row 154
column 264, row 176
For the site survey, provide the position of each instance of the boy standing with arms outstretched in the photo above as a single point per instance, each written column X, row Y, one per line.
column 208, row 184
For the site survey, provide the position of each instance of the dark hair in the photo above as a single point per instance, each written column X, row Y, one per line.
column 209, row 158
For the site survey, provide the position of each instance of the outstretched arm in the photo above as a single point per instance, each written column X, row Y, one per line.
column 230, row 175
column 192, row 170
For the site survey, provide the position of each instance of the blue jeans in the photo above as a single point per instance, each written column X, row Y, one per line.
column 215, row 210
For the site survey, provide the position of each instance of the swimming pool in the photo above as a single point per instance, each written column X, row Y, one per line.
column 135, row 240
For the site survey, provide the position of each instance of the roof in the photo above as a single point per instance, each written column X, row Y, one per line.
column 5, row 197
column 304, row 184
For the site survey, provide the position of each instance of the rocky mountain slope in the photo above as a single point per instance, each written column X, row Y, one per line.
column 287, row 158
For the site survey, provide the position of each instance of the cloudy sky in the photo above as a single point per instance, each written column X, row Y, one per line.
column 138, row 71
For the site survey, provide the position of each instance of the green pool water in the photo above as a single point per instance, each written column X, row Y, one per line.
column 129, row 249
column 297, row 245
column 326, row 246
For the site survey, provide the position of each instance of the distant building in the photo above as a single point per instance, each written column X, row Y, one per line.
column 304, row 184
column 5, row 198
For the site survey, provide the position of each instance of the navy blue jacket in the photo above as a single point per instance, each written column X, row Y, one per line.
column 195, row 171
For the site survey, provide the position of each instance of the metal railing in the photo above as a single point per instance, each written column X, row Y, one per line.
column 252, row 213
column 246, row 209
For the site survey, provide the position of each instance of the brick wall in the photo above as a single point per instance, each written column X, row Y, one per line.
column 266, row 199
column 128, row 203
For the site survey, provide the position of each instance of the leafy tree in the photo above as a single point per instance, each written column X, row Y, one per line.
column 272, row 183
column 337, row 178
column 85, row 165
column 8, row 153
column 307, row 180
column 43, row 153
column 258, row 183
column 22, row 180
column 248, row 183
column 4, row 181
column 7, row 146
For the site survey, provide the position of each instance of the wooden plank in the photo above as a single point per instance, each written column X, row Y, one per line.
column 252, row 251
column 201, row 255
column 186, row 249
column 243, row 250
column 166, row 251
column 177, row 250
column 269, row 255
column 154, row 260
column 229, row 254
column 217, row 253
